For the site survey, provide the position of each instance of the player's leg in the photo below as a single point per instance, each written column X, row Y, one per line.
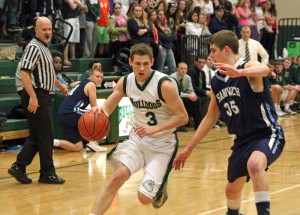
column 159, row 158
column 67, row 145
column 257, row 165
column 108, row 191
column 234, row 195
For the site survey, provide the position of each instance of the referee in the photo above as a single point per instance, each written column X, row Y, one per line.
column 38, row 77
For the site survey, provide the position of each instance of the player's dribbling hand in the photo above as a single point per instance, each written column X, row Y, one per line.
column 180, row 159
column 99, row 110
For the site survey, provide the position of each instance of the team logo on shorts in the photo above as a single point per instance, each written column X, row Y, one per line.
column 149, row 185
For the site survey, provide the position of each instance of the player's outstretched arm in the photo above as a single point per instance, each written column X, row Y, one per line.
column 205, row 126
column 252, row 69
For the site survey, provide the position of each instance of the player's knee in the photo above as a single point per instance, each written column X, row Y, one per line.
column 255, row 167
column 231, row 191
column 144, row 199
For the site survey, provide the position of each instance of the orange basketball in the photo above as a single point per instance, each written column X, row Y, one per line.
column 93, row 126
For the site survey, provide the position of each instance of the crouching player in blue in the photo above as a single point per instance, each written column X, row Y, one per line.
column 240, row 94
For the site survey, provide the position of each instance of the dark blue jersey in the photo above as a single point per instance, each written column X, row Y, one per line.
column 246, row 113
column 76, row 101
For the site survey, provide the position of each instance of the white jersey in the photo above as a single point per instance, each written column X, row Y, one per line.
column 149, row 106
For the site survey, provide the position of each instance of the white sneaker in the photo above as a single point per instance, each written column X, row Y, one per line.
column 280, row 113
column 289, row 111
column 94, row 147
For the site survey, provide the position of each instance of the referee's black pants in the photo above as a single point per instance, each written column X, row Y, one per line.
column 41, row 134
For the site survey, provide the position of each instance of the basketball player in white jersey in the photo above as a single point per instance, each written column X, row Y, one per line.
column 152, row 144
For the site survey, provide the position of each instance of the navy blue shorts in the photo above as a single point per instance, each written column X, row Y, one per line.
column 271, row 145
column 69, row 124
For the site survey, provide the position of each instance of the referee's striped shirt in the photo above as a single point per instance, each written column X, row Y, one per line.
column 37, row 60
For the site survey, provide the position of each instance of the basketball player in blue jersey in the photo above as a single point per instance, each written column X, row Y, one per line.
column 152, row 143
column 240, row 94
column 73, row 107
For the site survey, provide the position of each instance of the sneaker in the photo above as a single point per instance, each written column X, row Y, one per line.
column 280, row 113
column 20, row 176
column 160, row 201
column 289, row 111
column 51, row 179
column 94, row 147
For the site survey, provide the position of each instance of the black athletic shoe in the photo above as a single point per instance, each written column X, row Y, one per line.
column 160, row 201
column 51, row 179
column 20, row 176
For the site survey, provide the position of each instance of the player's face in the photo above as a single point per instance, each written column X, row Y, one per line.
column 96, row 77
column 141, row 66
column 216, row 54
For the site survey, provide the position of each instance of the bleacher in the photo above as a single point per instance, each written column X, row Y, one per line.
column 18, row 128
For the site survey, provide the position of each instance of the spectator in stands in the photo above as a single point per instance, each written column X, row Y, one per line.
column 295, row 71
column 181, row 19
column 57, row 64
column 281, row 91
column 72, row 108
column 192, row 26
column 167, row 36
column 199, row 84
column 14, row 8
column 70, row 13
column 203, row 25
column 91, row 38
column 103, row 32
column 208, row 9
column 138, row 26
column 161, row 5
column 143, row 4
column 79, row 47
column 250, row 49
column 125, row 5
column 37, row 63
column 118, row 33
column 155, row 42
column 26, row 36
column 259, row 18
column 246, row 18
column 187, row 94
column 294, row 61
column 268, row 39
column 287, row 62
column 218, row 22
column 93, row 65
column 150, row 4
column 231, row 16
column 209, row 70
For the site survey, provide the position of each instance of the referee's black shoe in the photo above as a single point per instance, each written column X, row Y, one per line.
column 18, row 174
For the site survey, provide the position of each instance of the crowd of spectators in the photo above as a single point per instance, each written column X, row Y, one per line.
column 102, row 27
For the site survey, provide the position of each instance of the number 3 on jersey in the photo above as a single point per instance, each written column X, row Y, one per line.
column 231, row 107
column 152, row 120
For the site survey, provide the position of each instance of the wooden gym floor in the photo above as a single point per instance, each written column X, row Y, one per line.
column 198, row 189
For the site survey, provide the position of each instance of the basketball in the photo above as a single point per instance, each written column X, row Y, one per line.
column 93, row 126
